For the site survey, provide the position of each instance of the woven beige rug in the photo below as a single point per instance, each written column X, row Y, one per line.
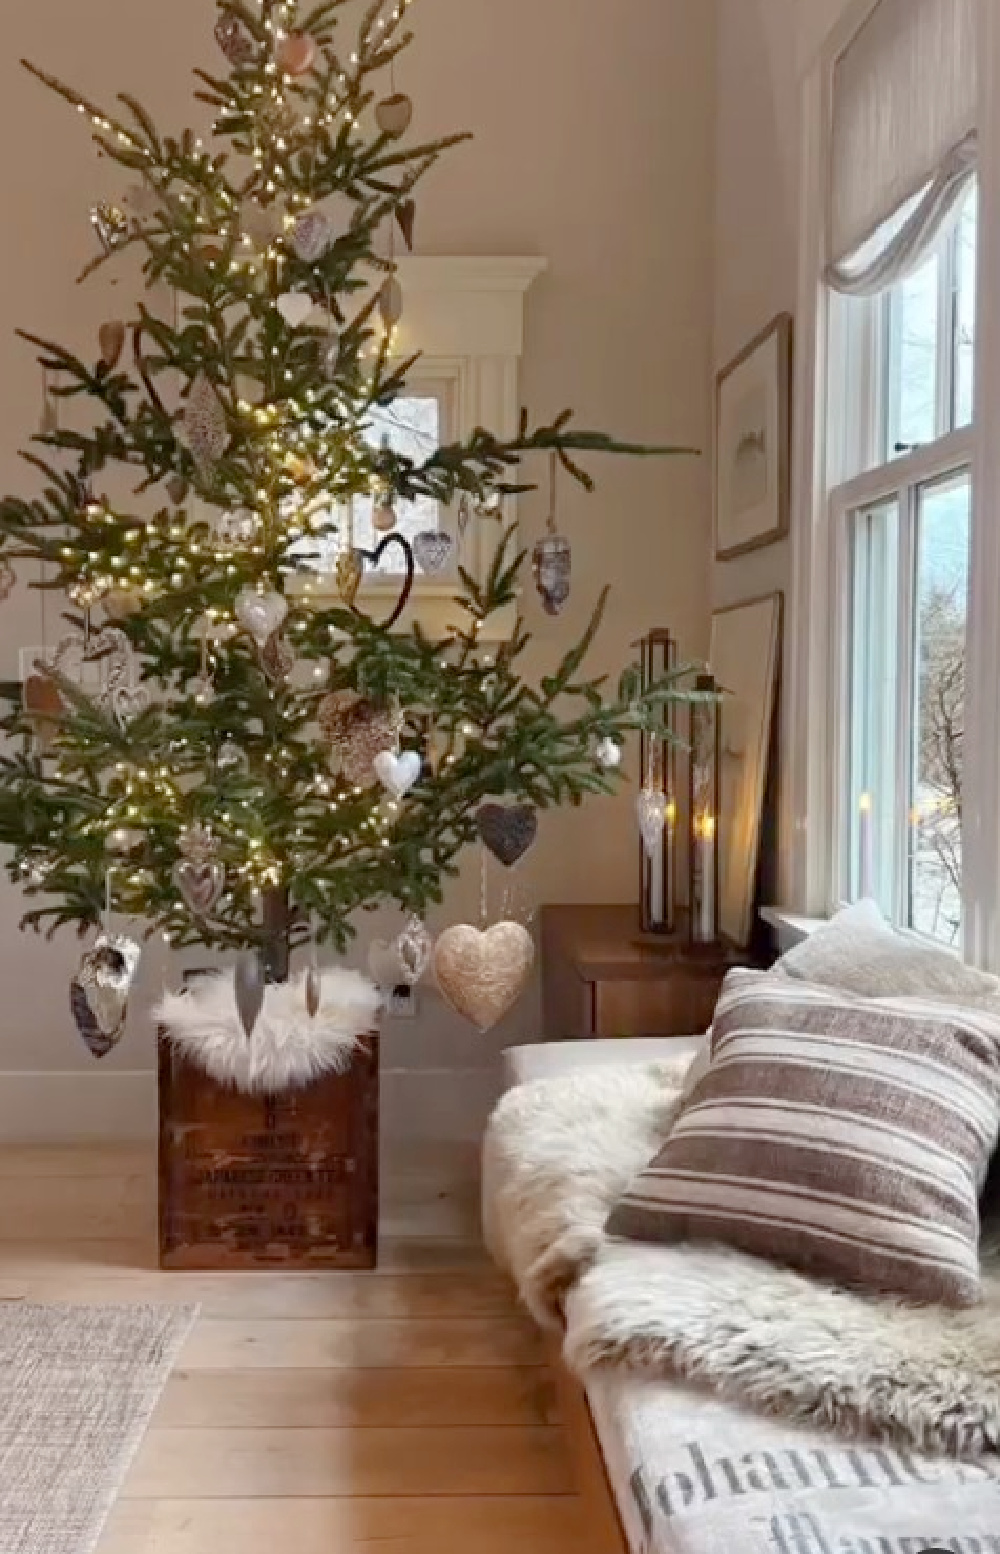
column 78, row 1385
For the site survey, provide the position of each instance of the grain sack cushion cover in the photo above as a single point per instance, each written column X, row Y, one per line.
column 842, row 1135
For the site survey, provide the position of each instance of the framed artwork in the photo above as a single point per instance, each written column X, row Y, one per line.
column 753, row 443
column 745, row 660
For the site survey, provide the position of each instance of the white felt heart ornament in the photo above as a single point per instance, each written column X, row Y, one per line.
column 482, row 975
column 261, row 614
column 398, row 773
column 295, row 307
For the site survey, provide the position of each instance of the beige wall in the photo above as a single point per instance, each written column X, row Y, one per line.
column 594, row 133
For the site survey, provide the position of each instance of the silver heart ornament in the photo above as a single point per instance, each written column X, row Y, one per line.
column 201, row 882
column 433, row 551
column 100, row 991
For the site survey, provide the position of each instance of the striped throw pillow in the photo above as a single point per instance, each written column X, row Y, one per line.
column 842, row 1135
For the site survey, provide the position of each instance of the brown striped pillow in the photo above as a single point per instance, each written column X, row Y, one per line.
column 843, row 1135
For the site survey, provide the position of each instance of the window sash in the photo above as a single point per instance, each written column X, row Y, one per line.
column 900, row 482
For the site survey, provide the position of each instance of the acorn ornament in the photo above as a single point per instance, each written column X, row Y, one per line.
column 394, row 115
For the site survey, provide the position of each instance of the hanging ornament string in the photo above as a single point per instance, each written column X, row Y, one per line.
column 550, row 526
column 484, row 904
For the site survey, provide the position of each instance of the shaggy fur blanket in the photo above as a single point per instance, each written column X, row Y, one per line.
column 558, row 1154
column 288, row 1048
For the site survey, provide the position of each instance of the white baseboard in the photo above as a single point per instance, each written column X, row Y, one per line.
column 450, row 1105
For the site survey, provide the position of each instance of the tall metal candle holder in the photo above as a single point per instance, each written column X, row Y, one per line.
column 659, row 772
column 705, row 801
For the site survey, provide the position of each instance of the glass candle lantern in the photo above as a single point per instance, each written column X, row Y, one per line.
column 705, row 745
column 659, row 885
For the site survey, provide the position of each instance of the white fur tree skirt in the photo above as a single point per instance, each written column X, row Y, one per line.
column 288, row 1049
column 559, row 1152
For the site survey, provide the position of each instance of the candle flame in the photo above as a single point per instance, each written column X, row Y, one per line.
column 865, row 803
column 704, row 826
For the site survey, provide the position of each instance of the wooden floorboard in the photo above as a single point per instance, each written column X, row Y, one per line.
column 511, row 1524
column 408, row 1411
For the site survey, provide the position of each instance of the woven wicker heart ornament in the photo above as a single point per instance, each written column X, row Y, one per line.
column 432, row 550
column 508, row 832
column 312, row 236
column 482, row 975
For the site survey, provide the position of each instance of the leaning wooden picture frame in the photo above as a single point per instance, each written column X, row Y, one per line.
column 753, row 443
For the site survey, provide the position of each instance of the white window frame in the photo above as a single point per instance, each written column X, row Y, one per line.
column 813, row 739
column 466, row 317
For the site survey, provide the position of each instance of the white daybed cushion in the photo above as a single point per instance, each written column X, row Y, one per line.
column 693, row 1475
column 550, row 1059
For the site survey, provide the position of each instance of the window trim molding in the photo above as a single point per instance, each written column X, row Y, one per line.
column 810, row 741
column 466, row 318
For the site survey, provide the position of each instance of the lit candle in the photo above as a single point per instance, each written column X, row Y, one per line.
column 660, row 863
column 866, row 847
column 703, row 906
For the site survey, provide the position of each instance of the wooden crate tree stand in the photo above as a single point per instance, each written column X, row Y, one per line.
column 257, row 1179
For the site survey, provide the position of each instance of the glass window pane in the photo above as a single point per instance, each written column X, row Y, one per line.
column 869, row 833
column 911, row 386
column 942, row 591
column 966, row 257
column 412, row 426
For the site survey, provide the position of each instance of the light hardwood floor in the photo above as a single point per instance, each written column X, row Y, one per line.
column 407, row 1411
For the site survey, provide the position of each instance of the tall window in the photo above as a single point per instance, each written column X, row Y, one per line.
column 900, row 451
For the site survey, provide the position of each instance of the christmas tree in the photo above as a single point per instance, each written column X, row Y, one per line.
column 260, row 763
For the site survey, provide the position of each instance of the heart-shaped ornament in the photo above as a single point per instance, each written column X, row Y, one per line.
column 295, row 307
column 204, row 424
column 482, row 975
column 433, row 551
column 129, row 702
column 651, row 808
column 398, row 773
column 312, row 236
column 262, row 224
column 406, row 215
column 372, row 558
column 111, row 338
column 261, row 614
column 508, row 831
column 277, row 659
column 200, row 882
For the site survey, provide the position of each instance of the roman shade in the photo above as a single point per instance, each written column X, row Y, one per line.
column 903, row 138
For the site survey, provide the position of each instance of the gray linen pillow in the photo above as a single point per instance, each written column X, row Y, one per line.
column 859, row 952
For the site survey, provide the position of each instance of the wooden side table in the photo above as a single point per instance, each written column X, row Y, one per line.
column 602, row 977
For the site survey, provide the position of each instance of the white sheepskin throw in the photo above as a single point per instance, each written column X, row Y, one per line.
column 288, row 1049
column 560, row 1151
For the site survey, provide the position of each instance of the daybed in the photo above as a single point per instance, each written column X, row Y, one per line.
column 672, row 1469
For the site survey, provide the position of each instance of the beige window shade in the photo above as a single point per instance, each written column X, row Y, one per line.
column 904, row 101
